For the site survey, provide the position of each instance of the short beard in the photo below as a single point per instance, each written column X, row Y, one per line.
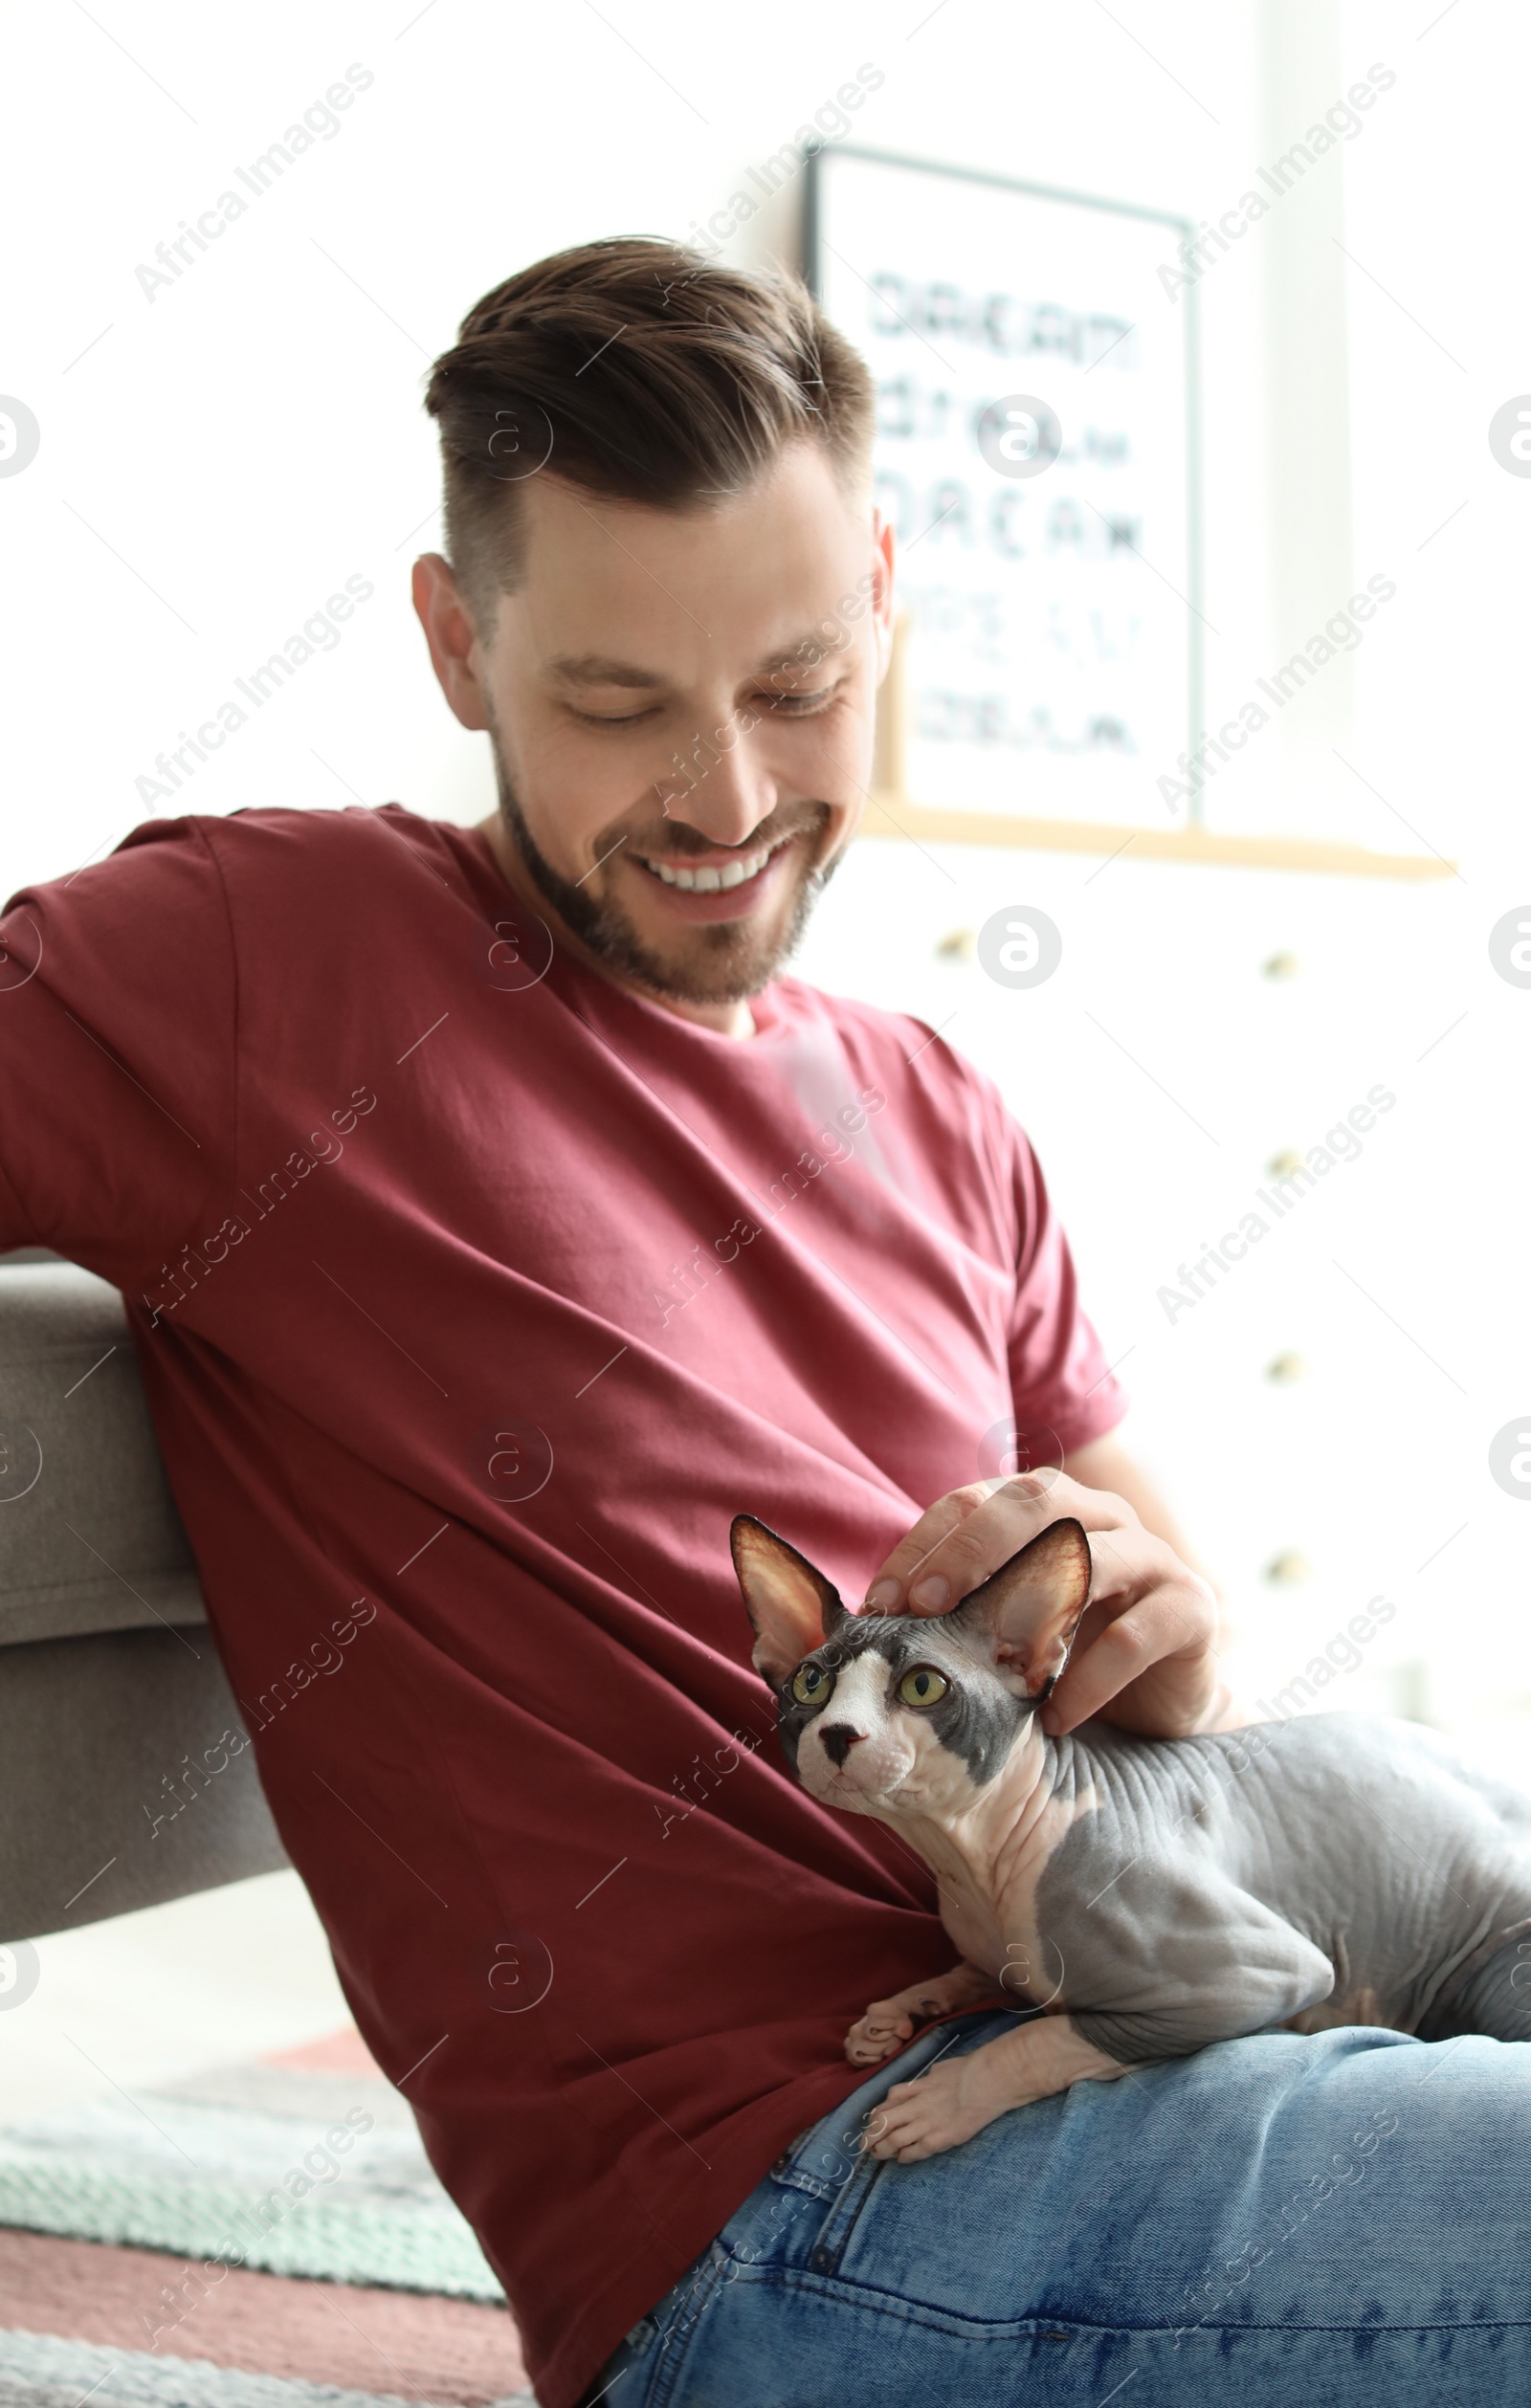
column 730, row 960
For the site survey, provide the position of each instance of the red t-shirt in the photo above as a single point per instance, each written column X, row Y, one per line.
column 474, row 1297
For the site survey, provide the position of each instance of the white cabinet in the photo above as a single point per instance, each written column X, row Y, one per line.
column 1159, row 1072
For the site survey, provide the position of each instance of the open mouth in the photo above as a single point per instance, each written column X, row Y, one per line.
column 713, row 878
column 720, row 890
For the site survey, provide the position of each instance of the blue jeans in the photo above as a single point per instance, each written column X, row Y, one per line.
column 1275, row 2222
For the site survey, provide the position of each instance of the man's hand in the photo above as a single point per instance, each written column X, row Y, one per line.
column 1147, row 1655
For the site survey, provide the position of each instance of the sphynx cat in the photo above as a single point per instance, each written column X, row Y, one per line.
column 1138, row 1898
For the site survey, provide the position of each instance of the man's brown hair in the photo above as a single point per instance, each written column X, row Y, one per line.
column 642, row 371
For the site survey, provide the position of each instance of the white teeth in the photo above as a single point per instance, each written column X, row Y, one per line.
column 710, row 881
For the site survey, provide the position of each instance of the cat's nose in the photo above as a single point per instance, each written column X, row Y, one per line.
column 838, row 1740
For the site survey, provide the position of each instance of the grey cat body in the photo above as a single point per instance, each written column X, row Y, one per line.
column 1334, row 1868
column 1151, row 1896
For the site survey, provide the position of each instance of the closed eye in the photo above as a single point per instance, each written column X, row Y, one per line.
column 802, row 706
column 792, row 706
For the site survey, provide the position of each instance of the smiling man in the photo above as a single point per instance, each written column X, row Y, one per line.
column 668, row 611
column 686, row 862
column 497, row 1221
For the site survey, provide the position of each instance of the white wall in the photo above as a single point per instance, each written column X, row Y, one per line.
column 248, row 438
column 218, row 460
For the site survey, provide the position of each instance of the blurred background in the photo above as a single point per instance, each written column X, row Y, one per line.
column 211, row 443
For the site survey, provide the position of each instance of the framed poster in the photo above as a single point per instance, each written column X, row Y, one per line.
column 1035, row 450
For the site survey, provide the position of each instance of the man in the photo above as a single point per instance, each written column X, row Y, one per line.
column 496, row 1223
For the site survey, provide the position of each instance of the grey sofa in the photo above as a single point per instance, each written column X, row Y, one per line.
column 110, row 1687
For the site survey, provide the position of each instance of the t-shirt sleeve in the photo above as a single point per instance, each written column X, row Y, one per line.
column 116, row 1056
column 1060, row 1381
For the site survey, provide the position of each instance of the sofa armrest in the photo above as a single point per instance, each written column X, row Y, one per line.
column 128, row 1779
column 90, row 1538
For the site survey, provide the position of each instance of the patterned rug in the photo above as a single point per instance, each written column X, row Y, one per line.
column 266, row 2236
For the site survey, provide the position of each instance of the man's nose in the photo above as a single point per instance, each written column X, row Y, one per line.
column 734, row 794
column 838, row 1741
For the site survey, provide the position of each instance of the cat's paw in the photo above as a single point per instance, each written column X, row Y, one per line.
column 935, row 2112
column 880, row 2033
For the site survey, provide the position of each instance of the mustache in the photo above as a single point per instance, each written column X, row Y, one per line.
column 673, row 839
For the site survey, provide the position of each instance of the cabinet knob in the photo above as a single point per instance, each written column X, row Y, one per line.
column 962, row 945
column 1285, row 1165
column 1288, row 1569
column 1285, row 1368
column 1280, row 966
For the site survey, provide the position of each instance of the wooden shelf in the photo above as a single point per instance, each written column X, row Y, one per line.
column 892, row 813
column 895, row 815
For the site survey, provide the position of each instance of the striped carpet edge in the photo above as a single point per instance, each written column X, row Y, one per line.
column 44, row 2371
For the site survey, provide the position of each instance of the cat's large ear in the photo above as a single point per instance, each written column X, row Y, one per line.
column 793, row 1608
column 1028, row 1611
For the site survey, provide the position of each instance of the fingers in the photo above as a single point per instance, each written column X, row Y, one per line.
column 1172, row 1628
column 889, row 1588
column 1151, row 1629
column 964, row 1536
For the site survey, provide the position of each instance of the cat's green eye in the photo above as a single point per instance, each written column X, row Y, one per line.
column 923, row 1687
column 811, row 1684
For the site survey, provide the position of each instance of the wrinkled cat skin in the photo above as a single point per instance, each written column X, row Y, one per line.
column 1139, row 1897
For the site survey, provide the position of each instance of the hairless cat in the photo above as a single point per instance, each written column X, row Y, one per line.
column 1146, row 1895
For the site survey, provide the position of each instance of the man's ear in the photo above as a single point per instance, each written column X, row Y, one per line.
column 1030, row 1610
column 442, row 610
column 793, row 1608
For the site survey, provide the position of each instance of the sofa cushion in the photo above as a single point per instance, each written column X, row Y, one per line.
column 90, row 1538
